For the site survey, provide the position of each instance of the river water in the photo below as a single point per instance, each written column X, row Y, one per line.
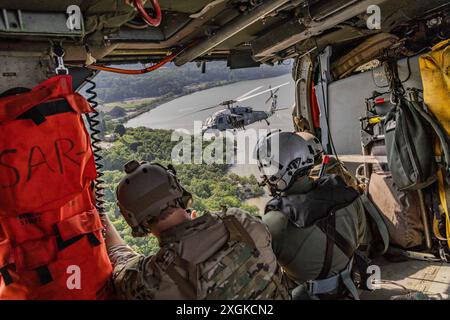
column 182, row 112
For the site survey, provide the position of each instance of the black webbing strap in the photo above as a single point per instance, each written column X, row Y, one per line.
column 6, row 276
column 44, row 275
column 93, row 240
column 14, row 91
column 362, row 263
column 344, row 245
column 328, row 226
column 338, row 239
column 43, row 271
column 39, row 113
column 61, row 244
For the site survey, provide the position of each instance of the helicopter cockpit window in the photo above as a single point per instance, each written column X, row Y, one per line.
column 220, row 120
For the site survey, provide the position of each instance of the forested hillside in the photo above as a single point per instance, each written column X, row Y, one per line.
column 212, row 185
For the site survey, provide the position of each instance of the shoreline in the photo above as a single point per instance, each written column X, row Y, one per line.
column 158, row 101
column 182, row 111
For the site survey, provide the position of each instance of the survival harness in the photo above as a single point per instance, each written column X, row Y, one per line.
column 51, row 245
column 318, row 207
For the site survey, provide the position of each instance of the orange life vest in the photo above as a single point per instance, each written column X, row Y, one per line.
column 51, row 246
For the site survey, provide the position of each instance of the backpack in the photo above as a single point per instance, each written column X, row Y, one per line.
column 51, row 246
column 409, row 147
column 330, row 208
column 401, row 210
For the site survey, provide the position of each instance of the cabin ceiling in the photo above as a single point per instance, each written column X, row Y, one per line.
column 256, row 31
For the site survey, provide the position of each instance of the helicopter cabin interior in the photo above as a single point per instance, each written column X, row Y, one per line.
column 351, row 58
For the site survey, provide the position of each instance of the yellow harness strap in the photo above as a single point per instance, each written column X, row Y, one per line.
column 443, row 200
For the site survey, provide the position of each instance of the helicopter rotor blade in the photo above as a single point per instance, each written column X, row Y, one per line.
column 222, row 104
column 248, row 93
column 208, row 108
column 197, row 111
column 262, row 92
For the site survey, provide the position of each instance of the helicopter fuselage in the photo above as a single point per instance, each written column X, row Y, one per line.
column 234, row 118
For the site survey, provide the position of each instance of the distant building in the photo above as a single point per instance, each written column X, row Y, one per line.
column 111, row 137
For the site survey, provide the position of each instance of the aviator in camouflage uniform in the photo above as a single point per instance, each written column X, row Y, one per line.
column 216, row 256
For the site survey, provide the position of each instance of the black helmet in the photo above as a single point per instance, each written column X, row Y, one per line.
column 145, row 191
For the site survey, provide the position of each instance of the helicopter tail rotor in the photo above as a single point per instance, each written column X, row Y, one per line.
column 274, row 99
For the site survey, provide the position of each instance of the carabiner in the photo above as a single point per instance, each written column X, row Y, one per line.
column 58, row 53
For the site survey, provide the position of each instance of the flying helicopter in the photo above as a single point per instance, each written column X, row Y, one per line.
column 237, row 117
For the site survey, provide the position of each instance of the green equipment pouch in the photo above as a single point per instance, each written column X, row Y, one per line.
column 409, row 148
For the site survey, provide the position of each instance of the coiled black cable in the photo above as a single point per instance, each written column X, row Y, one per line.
column 94, row 122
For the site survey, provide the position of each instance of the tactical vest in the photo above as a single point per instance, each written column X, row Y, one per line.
column 318, row 207
column 51, row 245
column 242, row 275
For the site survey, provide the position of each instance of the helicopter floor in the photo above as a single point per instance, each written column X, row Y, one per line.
column 400, row 278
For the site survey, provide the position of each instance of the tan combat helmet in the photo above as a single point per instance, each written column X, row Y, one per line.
column 145, row 191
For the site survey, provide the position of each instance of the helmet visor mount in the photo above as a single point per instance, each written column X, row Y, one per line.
column 284, row 177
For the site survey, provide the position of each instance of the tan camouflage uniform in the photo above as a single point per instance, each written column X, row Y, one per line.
column 206, row 258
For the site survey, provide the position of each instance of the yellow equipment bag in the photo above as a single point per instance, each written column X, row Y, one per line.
column 434, row 68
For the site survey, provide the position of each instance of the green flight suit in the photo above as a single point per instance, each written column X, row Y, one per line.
column 301, row 251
